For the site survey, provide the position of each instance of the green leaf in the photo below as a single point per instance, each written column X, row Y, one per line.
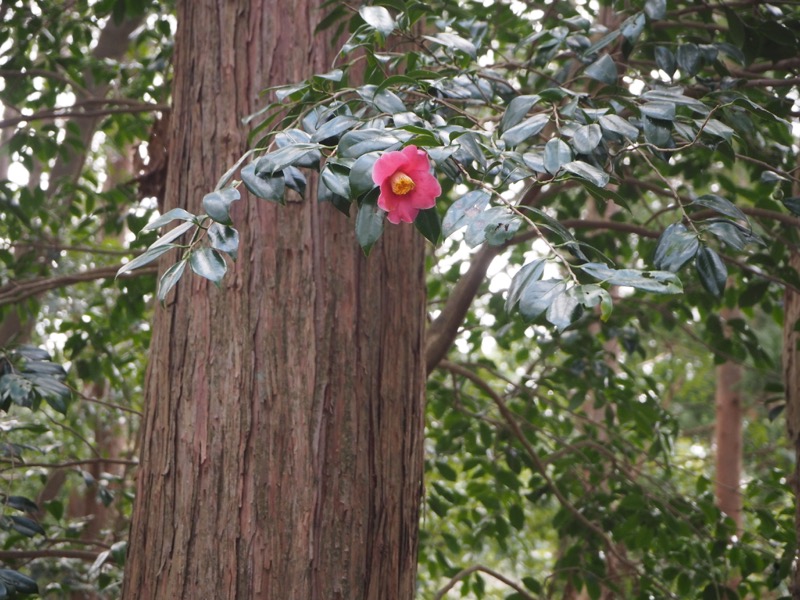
column 361, row 174
column 658, row 133
column 676, row 246
column 662, row 282
column 591, row 295
column 536, row 297
column 655, row 9
column 632, row 27
column 217, row 204
column 711, row 270
column 383, row 99
column 525, row 130
column 620, row 126
column 454, row 42
column 369, row 225
column 586, row 138
column 563, row 310
column 665, row 60
column 603, row 70
column 149, row 255
column 170, row 277
column 721, row 205
column 556, row 153
column 378, row 18
column 528, row 274
column 271, row 164
column 224, row 238
column 717, row 128
column 329, row 133
column 26, row 526
column 336, row 178
column 516, row 516
column 793, row 204
column 208, row 263
column 463, row 210
column 22, row 503
column 587, row 172
column 356, row 143
column 690, row 59
column 170, row 215
column 502, row 229
column 487, row 220
column 18, row 581
column 429, row 225
column 263, row 186
column 659, row 110
column 516, row 110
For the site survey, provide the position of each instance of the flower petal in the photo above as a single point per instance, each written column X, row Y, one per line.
column 388, row 164
column 426, row 190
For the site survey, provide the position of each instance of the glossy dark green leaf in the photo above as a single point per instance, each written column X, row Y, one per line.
column 586, row 139
column 588, row 172
column 793, row 204
column 170, row 278
column 665, row 60
column 337, row 179
column 690, row 59
column 330, row 131
column 263, row 186
column 217, row 204
column 378, row 18
column 18, row 582
column 717, row 128
column 224, row 239
column 662, row 282
column 676, row 246
column 526, row 275
column 591, row 295
column 484, row 221
column 356, row 143
column 271, row 164
column 525, row 130
column 369, row 225
column 604, row 70
column 563, row 310
column 147, row 257
column 556, row 153
column 517, row 110
column 167, row 217
column 732, row 234
column 659, row 110
column 361, row 174
column 721, row 205
column 208, row 263
column 620, row 126
column 429, row 225
column 16, row 388
column 503, row 229
column 25, row 526
column 656, row 132
column 655, row 9
column 516, row 516
column 711, row 270
column 22, row 503
column 294, row 179
column 632, row 27
column 383, row 99
column 341, row 203
column 463, row 210
column 536, row 297
column 33, row 352
column 454, row 42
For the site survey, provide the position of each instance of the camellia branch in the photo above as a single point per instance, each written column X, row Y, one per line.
column 61, row 113
column 475, row 568
column 29, row 554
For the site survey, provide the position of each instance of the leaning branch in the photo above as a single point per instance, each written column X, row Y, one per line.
column 474, row 568
column 18, row 291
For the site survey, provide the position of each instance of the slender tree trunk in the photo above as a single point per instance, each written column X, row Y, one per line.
column 282, row 439
column 791, row 379
column 728, row 436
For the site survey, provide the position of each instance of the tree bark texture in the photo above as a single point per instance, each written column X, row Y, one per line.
column 282, row 438
column 728, row 435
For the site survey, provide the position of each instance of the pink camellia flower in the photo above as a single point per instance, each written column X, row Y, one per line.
column 407, row 185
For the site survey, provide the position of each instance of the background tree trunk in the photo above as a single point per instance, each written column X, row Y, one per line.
column 282, row 440
column 728, row 435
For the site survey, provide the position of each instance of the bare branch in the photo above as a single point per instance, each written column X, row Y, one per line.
column 60, row 113
column 469, row 570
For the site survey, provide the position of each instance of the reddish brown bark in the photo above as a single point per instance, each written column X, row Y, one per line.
column 728, row 436
column 791, row 379
column 282, row 440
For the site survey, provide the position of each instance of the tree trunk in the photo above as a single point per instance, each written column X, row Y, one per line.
column 728, row 435
column 791, row 379
column 282, row 439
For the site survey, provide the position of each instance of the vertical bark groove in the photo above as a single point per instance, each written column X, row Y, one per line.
column 282, row 441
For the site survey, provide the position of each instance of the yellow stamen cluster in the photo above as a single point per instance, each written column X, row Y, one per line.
column 402, row 184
